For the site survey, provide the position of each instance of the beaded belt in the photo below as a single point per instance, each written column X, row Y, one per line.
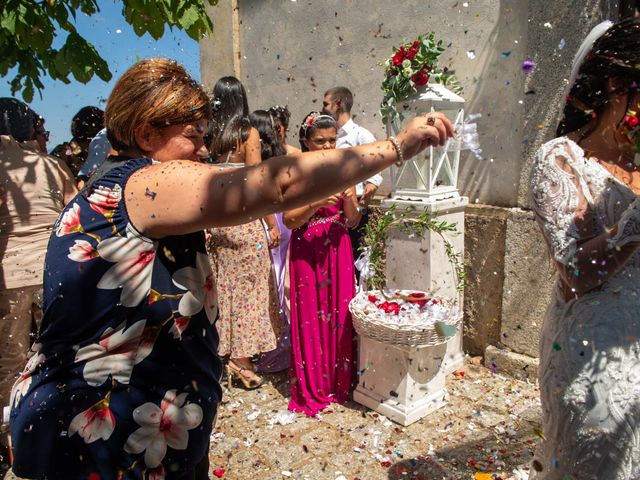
column 337, row 219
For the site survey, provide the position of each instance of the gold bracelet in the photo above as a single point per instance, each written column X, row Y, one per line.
column 396, row 144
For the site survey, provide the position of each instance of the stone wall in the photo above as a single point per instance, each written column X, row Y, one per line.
column 290, row 52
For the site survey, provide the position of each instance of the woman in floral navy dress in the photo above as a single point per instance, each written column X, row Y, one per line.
column 123, row 380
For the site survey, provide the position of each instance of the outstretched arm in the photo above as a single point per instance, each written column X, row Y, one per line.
column 190, row 196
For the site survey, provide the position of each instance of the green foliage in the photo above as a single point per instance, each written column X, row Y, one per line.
column 28, row 29
column 412, row 65
column 413, row 225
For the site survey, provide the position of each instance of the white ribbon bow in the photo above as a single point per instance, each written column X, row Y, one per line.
column 364, row 266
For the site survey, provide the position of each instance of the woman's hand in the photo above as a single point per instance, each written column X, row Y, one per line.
column 431, row 129
column 350, row 207
column 349, row 195
column 274, row 236
column 326, row 202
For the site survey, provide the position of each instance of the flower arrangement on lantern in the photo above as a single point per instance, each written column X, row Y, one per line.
column 631, row 129
column 413, row 64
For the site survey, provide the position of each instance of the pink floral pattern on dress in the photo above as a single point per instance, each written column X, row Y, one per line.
column 23, row 382
column 96, row 422
column 180, row 324
column 133, row 257
column 128, row 325
column 162, row 427
column 70, row 221
column 201, row 288
column 114, row 355
column 82, row 251
column 104, row 200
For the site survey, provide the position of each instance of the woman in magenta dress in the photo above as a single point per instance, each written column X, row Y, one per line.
column 322, row 285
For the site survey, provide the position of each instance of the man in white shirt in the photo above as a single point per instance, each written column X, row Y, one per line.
column 337, row 102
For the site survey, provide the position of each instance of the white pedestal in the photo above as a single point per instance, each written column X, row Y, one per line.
column 422, row 264
column 403, row 383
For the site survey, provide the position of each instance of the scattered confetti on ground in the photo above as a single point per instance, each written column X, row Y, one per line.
column 488, row 430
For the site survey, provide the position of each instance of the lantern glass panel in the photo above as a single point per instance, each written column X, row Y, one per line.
column 432, row 174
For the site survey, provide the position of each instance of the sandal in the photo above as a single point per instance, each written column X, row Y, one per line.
column 250, row 380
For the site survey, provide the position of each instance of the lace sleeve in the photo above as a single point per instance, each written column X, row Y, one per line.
column 628, row 227
column 555, row 195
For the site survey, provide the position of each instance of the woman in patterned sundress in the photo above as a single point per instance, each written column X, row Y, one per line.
column 250, row 321
column 123, row 381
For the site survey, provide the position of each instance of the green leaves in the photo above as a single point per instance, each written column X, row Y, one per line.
column 414, row 225
column 151, row 16
column 28, row 29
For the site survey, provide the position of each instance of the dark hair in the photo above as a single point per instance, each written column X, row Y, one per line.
column 281, row 115
column 87, row 123
column 314, row 121
column 344, row 95
column 230, row 126
column 615, row 55
column 270, row 145
column 17, row 119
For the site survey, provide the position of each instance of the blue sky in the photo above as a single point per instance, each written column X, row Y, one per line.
column 119, row 46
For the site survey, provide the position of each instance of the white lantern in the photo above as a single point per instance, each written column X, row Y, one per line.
column 432, row 175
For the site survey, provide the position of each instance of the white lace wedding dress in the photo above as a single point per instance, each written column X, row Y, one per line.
column 590, row 346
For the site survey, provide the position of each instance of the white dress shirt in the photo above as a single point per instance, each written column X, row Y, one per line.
column 350, row 135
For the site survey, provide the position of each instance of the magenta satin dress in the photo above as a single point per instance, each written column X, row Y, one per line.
column 322, row 337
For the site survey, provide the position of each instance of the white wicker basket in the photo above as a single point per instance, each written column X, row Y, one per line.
column 428, row 333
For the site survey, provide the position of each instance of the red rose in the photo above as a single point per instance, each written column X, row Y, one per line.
column 417, row 295
column 420, row 78
column 399, row 57
column 372, row 298
column 412, row 53
column 631, row 121
column 416, row 44
column 390, row 307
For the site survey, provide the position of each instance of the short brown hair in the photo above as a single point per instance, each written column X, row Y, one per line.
column 157, row 91
column 344, row 95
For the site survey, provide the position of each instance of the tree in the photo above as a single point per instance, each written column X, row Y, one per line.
column 28, row 28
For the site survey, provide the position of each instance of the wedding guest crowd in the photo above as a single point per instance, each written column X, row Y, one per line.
column 123, row 378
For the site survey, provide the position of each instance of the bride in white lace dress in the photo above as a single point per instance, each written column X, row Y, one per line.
column 585, row 188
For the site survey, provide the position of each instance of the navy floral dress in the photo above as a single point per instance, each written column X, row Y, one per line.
column 123, row 382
